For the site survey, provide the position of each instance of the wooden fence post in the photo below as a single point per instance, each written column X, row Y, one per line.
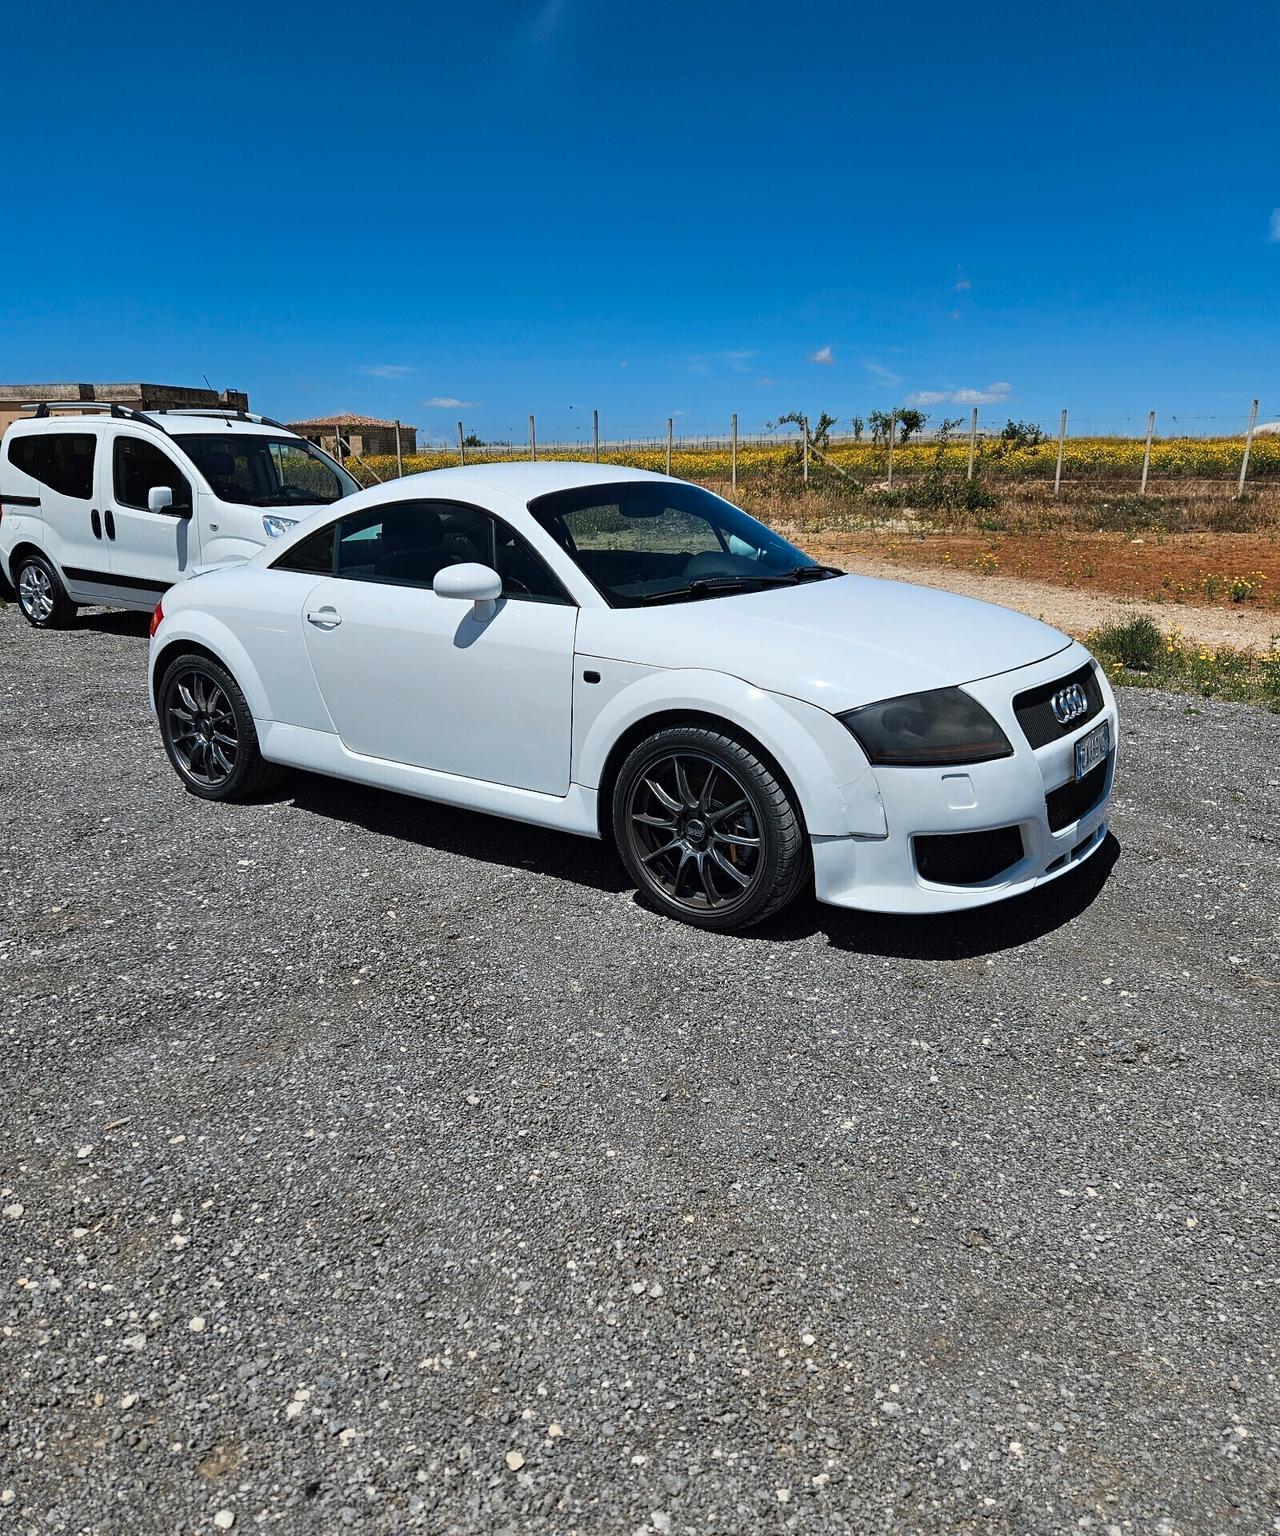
column 595, row 432
column 1248, row 444
column 399, row 455
column 893, row 432
column 1062, row 432
column 804, row 427
column 669, row 425
column 1146, row 457
column 735, row 451
column 462, row 446
column 973, row 441
column 533, row 441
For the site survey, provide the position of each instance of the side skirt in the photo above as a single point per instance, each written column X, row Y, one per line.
column 323, row 752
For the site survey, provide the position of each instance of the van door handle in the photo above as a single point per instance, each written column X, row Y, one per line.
column 325, row 618
column 95, row 522
column 110, row 522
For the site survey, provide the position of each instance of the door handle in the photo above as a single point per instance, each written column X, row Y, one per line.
column 110, row 522
column 324, row 618
column 95, row 522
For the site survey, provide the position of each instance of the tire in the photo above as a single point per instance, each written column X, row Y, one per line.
column 42, row 598
column 708, row 829
column 208, row 731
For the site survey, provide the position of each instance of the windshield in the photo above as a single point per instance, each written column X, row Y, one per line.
column 648, row 541
column 259, row 471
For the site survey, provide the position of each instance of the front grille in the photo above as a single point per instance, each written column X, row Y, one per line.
column 1070, row 801
column 1034, row 708
column 967, row 858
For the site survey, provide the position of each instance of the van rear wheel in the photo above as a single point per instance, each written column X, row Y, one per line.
column 41, row 596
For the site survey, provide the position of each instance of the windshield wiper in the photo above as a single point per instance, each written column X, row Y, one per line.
column 708, row 584
column 813, row 572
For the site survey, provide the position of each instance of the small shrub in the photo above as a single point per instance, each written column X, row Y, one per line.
column 1137, row 644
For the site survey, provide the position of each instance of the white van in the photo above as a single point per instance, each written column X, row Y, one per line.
column 112, row 507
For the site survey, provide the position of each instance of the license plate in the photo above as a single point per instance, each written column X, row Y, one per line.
column 1093, row 749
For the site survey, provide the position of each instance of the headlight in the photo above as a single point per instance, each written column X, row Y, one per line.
column 926, row 730
column 273, row 527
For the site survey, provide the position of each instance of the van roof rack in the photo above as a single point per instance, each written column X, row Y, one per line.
column 225, row 412
column 43, row 408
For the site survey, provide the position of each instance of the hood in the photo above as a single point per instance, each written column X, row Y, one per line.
column 837, row 644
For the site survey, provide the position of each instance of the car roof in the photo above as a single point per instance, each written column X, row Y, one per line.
column 520, row 481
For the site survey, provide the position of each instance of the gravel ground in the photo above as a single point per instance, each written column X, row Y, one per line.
column 370, row 1165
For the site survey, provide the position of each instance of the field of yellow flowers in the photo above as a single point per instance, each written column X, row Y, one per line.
column 1109, row 459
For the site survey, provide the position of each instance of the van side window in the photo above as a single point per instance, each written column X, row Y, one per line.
column 139, row 465
column 313, row 555
column 61, row 460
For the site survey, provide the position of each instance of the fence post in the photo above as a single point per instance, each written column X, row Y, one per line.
column 1062, row 432
column 595, row 432
column 893, row 432
column 462, row 447
column 1146, row 457
column 1248, row 444
column 669, row 424
column 399, row 455
column 735, row 450
column 804, row 427
column 973, row 441
column 533, row 441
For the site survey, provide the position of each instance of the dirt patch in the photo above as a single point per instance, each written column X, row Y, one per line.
column 1232, row 570
column 1082, row 583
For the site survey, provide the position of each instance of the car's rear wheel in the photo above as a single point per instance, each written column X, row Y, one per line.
column 41, row 596
column 707, row 829
column 208, row 731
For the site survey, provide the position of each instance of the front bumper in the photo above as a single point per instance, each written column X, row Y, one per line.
column 881, row 874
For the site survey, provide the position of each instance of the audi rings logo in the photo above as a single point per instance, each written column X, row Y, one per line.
column 1069, row 704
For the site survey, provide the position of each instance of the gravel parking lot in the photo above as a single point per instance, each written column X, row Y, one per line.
column 367, row 1164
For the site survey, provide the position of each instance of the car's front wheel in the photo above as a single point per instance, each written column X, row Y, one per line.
column 208, row 731
column 41, row 596
column 707, row 828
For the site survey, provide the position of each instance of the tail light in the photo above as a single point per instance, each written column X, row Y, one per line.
column 157, row 616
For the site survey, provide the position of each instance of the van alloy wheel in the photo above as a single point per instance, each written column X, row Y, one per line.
column 202, row 729
column 35, row 593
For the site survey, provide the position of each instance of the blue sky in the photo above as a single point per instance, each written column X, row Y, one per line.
column 670, row 209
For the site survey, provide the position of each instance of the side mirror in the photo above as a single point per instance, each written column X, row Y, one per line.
column 470, row 583
column 159, row 498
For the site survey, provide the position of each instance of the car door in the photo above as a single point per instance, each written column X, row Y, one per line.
column 148, row 550
column 415, row 678
column 61, row 466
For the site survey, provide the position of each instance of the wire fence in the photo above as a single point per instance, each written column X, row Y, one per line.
column 1143, row 454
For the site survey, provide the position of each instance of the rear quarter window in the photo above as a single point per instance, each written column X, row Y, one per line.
column 61, row 460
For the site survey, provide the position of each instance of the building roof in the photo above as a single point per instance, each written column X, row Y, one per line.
column 343, row 419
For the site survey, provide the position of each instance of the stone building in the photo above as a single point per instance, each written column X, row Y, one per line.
column 140, row 397
column 364, row 435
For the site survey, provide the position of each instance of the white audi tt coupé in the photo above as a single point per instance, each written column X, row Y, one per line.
column 624, row 655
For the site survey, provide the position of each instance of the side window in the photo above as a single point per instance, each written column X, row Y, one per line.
column 61, row 460
column 137, row 466
column 525, row 576
column 314, row 555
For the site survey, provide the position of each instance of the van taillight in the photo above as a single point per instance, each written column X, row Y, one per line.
column 157, row 616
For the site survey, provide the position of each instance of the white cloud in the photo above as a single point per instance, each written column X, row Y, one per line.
column 1275, row 226
column 385, row 370
column 881, row 374
column 624, row 363
column 764, row 383
column 963, row 285
column 823, row 355
column 993, row 394
column 447, row 402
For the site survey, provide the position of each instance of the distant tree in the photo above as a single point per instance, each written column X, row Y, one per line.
column 910, row 421
column 880, row 423
column 1021, row 434
column 472, row 441
column 819, row 436
column 859, row 426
